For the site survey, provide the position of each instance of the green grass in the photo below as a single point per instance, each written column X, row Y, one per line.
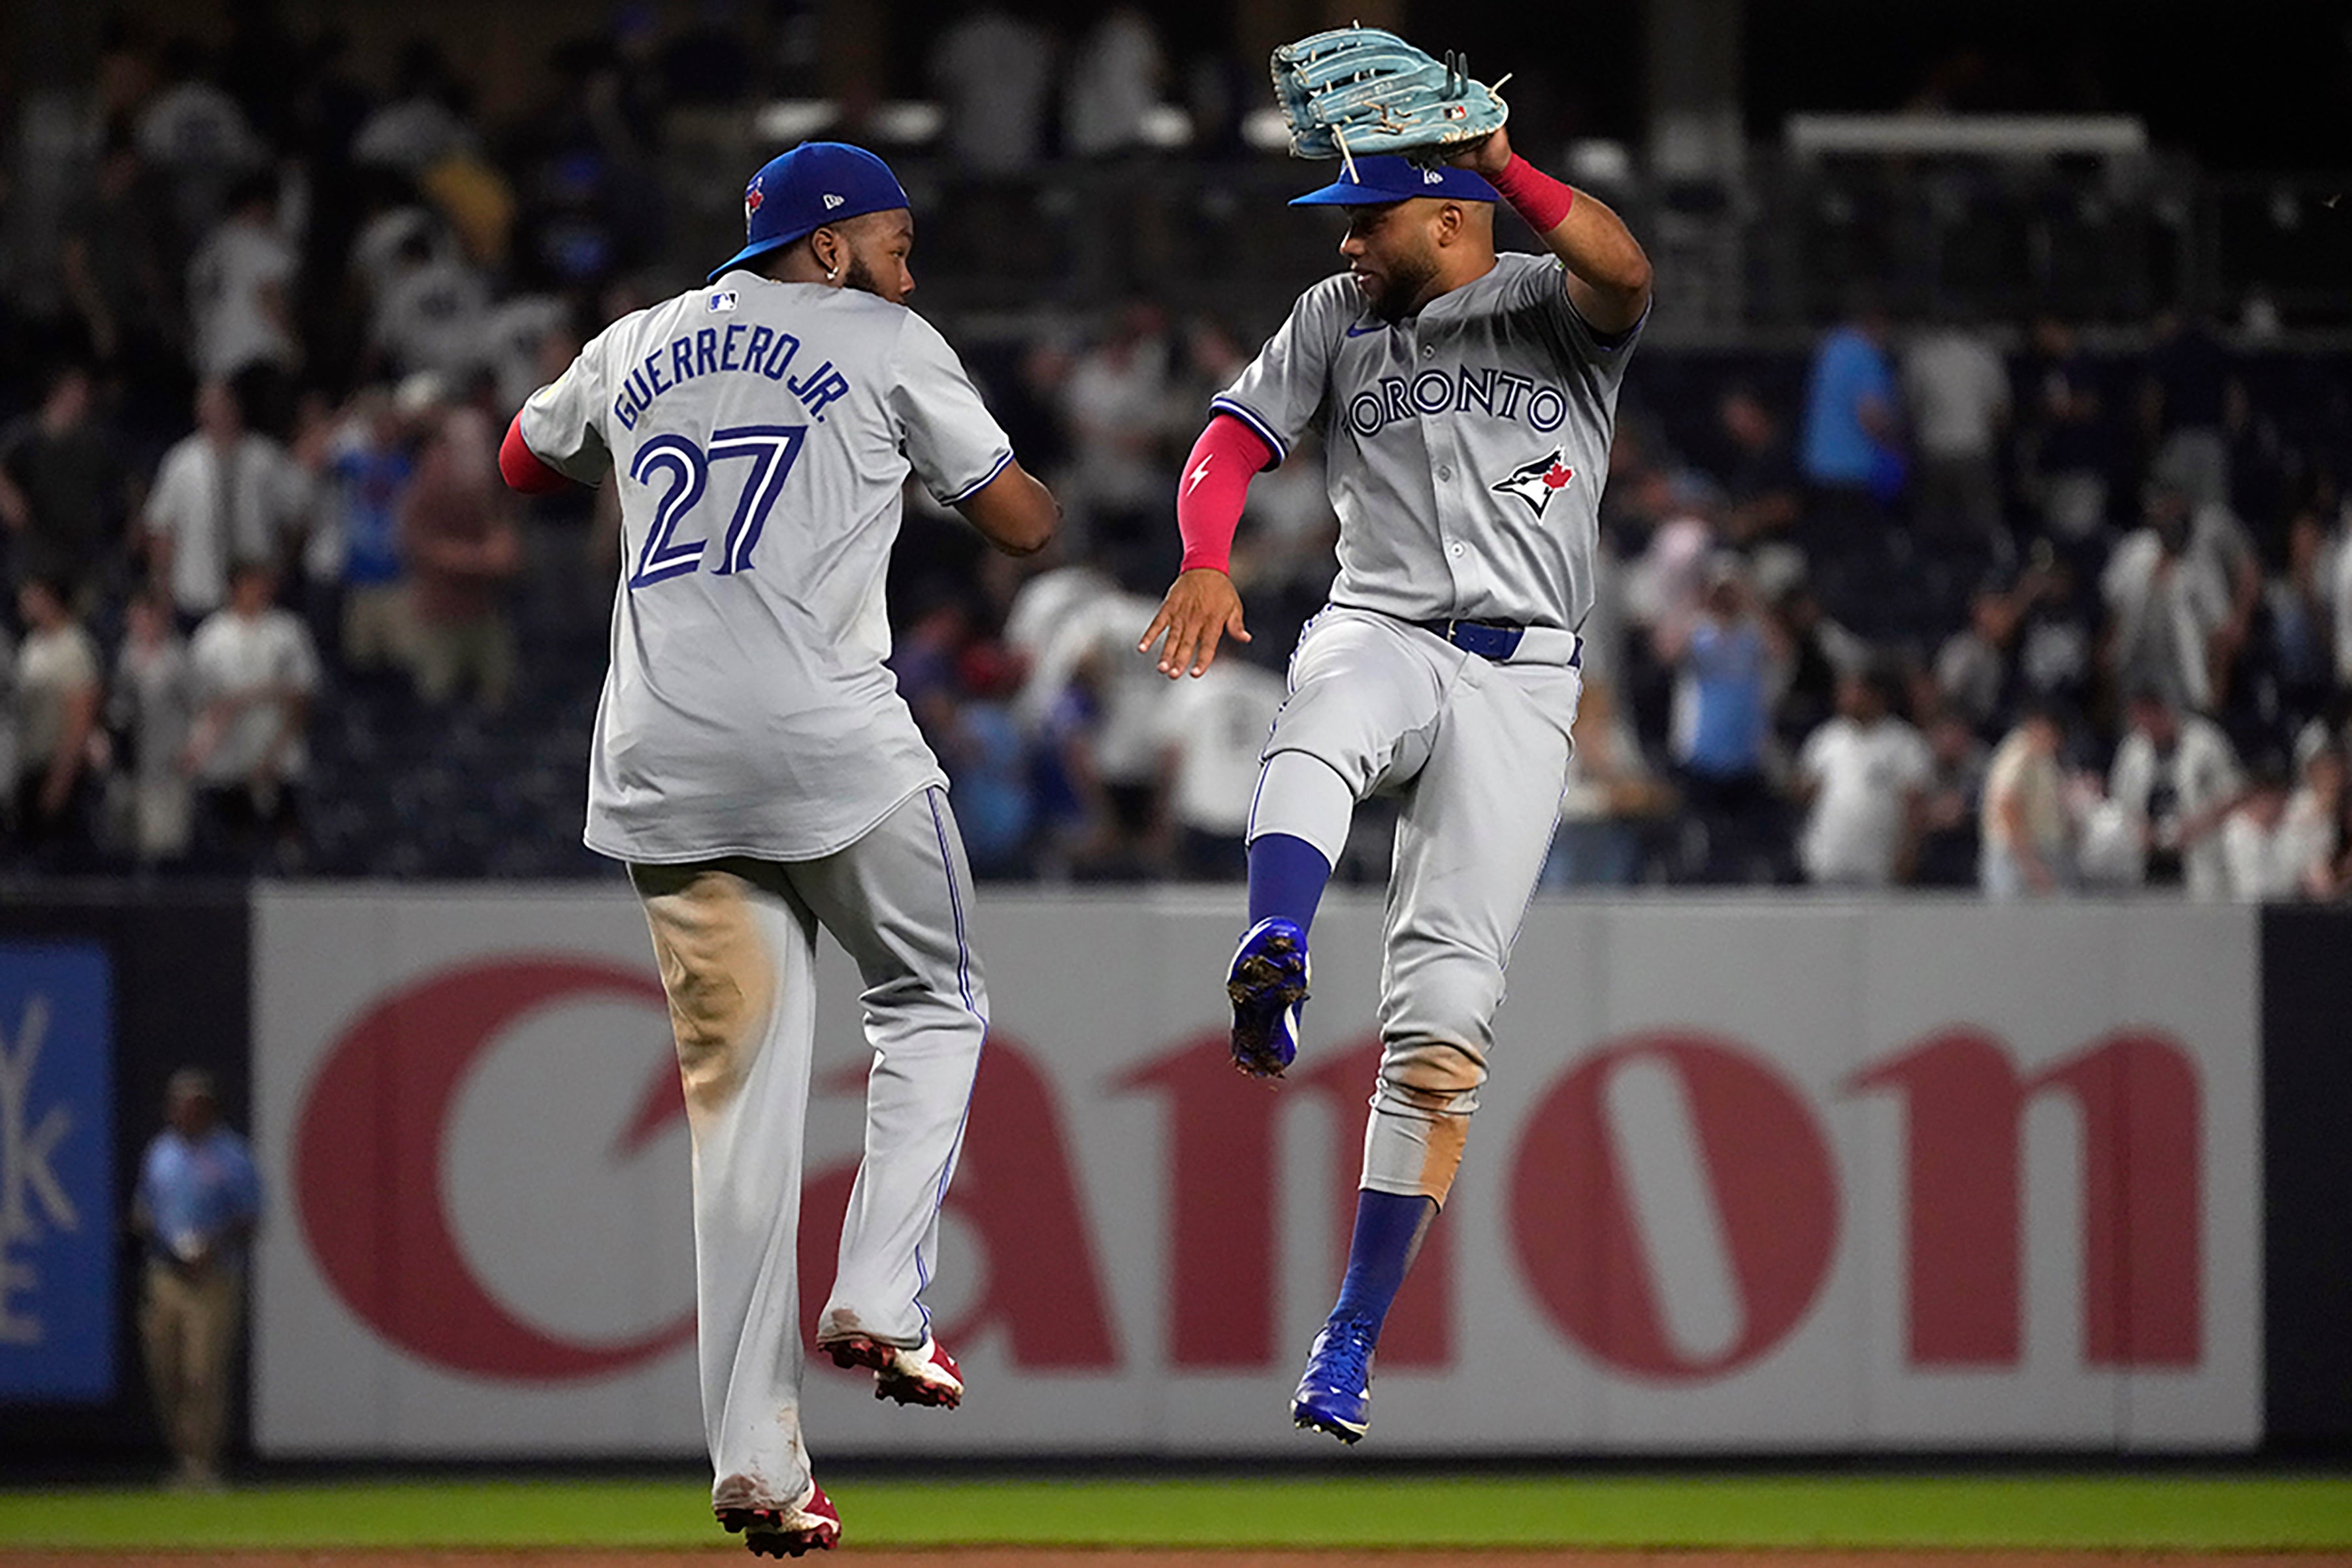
column 2210, row 1512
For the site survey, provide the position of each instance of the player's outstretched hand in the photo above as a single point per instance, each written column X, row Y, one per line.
column 1200, row 607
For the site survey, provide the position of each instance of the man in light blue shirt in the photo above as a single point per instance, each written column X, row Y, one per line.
column 1852, row 456
column 197, row 1204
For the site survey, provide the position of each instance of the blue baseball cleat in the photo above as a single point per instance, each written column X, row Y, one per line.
column 1336, row 1393
column 1267, row 984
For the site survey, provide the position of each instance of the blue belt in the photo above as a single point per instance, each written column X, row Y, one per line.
column 1487, row 639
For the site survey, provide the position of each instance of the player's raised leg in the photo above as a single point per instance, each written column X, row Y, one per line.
column 899, row 900
column 737, row 951
column 1363, row 701
column 1470, row 847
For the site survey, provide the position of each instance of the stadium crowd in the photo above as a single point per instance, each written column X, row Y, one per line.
column 1941, row 605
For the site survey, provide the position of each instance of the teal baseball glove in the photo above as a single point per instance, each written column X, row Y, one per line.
column 1360, row 89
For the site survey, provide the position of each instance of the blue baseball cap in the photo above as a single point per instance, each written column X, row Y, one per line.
column 1374, row 182
column 815, row 184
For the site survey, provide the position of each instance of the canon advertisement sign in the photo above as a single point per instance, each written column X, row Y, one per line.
column 1747, row 1177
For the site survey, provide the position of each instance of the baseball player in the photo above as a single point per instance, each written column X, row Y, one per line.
column 757, row 770
column 1465, row 400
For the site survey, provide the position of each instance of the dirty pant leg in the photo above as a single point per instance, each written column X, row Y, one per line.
column 737, row 949
column 899, row 901
column 1470, row 848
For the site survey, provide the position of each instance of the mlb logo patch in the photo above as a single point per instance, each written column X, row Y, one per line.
column 723, row 300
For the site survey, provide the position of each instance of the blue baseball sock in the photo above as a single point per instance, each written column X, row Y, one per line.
column 1389, row 1228
column 1286, row 875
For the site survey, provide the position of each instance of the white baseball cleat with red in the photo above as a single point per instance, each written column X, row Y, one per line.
column 812, row 1524
column 925, row 1374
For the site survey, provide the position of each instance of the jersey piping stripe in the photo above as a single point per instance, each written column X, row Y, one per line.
column 980, row 484
column 955, row 903
column 1280, row 447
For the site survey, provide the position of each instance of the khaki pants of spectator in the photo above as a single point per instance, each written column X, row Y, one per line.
column 451, row 654
column 377, row 626
column 189, row 1322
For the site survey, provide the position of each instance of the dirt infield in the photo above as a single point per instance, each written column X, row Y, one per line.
column 1030, row 1557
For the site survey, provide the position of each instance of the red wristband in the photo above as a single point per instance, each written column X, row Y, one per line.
column 1214, row 490
column 1536, row 195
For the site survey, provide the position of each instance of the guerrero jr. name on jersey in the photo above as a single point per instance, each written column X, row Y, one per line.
column 1498, row 394
column 1536, row 483
column 749, row 349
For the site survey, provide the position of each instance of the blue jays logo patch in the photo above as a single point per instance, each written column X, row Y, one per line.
column 1536, row 483
column 753, row 199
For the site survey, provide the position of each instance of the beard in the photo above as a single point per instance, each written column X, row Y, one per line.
column 860, row 275
column 1393, row 294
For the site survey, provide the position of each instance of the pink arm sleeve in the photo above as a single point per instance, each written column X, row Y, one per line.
column 1215, row 485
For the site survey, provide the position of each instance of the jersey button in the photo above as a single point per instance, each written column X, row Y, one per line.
column 1429, row 353
column 1444, row 473
column 1454, row 549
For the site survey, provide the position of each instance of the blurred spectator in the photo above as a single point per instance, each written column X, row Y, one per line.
column 2308, row 848
column 1609, row 795
column 420, row 123
column 197, row 1204
column 2252, row 871
column 222, row 493
column 1760, row 494
column 1214, row 730
column 111, row 260
column 1956, row 390
column 2184, row 405
column 2176, row 779
column 371, row 467
column 240, row 288
column 194, row 134
column 2064, row 437
column 1850, row 450
column 2296, row 619
column 1864, row 777
column 149, row 712
column 255, row 675
column 2340, row 596
column 1721, row 727
column 1114, row 83
column 1101, row 727
column 2025, row 829
column 431, row 312
column 56, row 696
column 993, row 70
column 1950, row 841
column 62, row 495
column 988, row 761
column 459, row 543
column 1975, row 669
column 1117, row 404
column 2168, row 608
column 1815, row 654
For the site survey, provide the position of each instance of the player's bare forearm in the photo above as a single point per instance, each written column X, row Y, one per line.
column 1608, row 270
column 1013, row 512
column 1200, row 608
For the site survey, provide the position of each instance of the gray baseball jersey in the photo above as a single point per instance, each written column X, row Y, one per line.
column 761, row 434
column 1466, row 447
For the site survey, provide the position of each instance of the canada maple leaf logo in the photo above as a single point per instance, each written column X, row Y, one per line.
column 753, row 199
column 1536, row 483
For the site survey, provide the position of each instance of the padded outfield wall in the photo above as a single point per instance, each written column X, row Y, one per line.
column 1751, row 1177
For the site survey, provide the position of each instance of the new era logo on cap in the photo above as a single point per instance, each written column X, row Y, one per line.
column 832, row 201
